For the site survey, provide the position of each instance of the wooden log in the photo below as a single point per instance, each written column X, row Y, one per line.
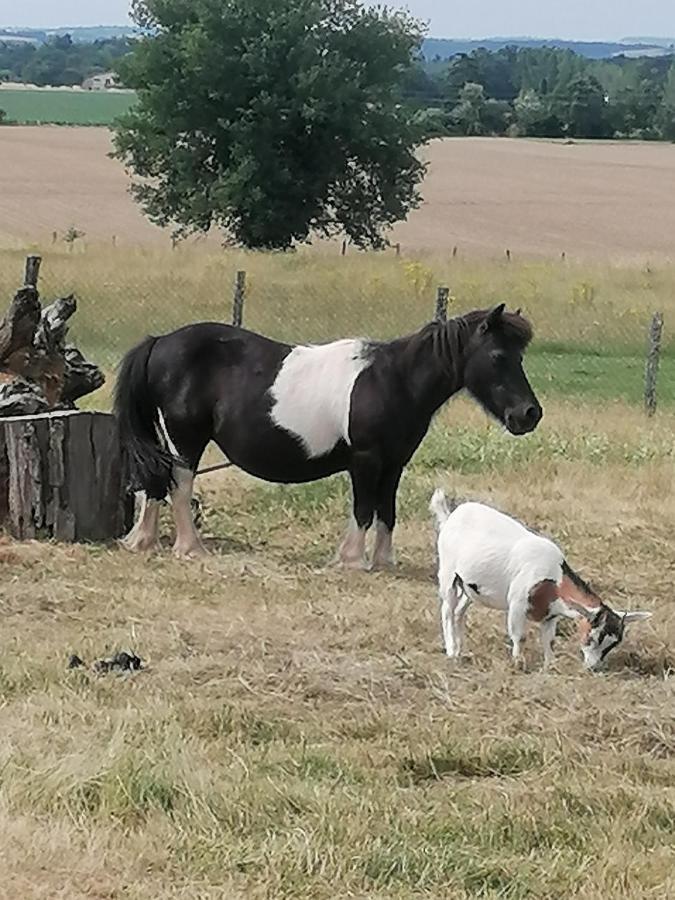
column 19, row 397
column 51, row 332
column 63, row 476
column 80, row 378
column 33, row 264
column 17, row 329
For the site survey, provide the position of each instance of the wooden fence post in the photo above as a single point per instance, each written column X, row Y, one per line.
column 32, row 271
column 653, row 359
column 508, row 256
column 442, row 298
column 344, row 248
column 239, row 297
column 398, row 249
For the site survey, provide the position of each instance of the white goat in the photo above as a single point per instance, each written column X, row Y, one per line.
column 491, row 558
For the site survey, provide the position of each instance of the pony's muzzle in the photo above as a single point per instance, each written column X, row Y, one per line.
column 523, row 419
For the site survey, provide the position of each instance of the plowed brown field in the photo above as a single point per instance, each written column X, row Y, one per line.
column 596, row 200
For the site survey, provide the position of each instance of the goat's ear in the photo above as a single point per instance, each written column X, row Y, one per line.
column 493, row 318
column 519, row 311
column 636, row 615
column 589, row 614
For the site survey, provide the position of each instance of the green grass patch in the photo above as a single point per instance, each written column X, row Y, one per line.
column 596, row 374
column 64, row 107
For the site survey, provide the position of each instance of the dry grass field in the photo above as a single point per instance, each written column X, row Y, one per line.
column 297, row 732
column 591, row 200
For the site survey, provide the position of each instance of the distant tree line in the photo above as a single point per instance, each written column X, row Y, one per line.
column 60, row 61
column 545, row 92
column 520, row 91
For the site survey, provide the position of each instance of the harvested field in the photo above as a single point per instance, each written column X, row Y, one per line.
column 590, row 200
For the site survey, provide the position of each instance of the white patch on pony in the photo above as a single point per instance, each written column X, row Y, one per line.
column 165, row 433
column 312, row 393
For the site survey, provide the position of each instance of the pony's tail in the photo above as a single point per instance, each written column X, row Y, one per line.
column 442, row 507
column 150, row 462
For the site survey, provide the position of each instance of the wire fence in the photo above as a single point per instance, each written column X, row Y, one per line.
column 601, row 335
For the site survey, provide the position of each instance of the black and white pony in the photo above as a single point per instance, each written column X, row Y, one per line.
column 297, row 414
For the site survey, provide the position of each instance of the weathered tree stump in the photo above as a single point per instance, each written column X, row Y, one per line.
column 63, row 476
column 39, row 372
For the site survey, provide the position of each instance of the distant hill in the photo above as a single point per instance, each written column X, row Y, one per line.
column 443, row 48
column 668, row 42
column 433, row 48
column 81, row 34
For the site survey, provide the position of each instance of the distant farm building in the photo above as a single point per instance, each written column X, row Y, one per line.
column 103, row 82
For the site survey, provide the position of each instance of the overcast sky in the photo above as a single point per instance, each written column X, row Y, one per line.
column 581, row 19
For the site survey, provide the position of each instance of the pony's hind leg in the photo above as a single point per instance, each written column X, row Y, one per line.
column 144, row 536
column 187, row 443
column 188, row 543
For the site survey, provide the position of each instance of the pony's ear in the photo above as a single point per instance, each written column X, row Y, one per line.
column 493, row 318
column 519, row 311
column 635, row 615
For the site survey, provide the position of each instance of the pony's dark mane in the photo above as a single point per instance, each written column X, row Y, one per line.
column 446, row 342
column 449, row 339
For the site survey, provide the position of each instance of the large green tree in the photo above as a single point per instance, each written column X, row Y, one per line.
column 273, row 119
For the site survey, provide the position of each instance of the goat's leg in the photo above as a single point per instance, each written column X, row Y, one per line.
column 460, row 622
column 517, row 625
column 547, row 631
column 449, row 598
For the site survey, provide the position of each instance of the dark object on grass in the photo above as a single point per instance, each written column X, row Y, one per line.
column 120, row 662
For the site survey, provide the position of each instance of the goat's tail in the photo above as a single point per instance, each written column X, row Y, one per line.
column 138, row 416
column 442, row 506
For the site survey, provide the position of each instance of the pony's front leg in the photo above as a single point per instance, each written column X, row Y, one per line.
column 383, row 553
column 364, row 473
column 188, row 542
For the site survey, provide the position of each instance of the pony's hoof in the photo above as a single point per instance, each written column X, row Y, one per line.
column 193, row 552
column 383, row 565
column 136, row 546
column 353, row 565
